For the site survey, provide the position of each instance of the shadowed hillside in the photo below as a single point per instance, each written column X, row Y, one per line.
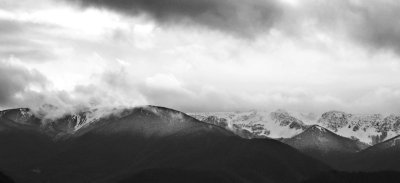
column 149, row 140
column 358, row 177
column 5, row 179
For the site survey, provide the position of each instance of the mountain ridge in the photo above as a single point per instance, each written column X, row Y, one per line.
column 368, row 128
column 149, row 138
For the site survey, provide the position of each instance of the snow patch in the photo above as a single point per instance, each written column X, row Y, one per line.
column 253, row 121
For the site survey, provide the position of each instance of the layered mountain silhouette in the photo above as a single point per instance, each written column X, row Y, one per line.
column 156, row 144
column 142, row 144
column 322, row 141
column 380, row 157
column 347, row 154
column 339, row 142
column 325, row 145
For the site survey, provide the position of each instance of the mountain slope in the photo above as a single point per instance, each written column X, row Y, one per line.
column 22, row 119
column 151, row 139
column 356, row 177
column 381, row 157
column 317, row 138
column 5, row 178
column 324, row 145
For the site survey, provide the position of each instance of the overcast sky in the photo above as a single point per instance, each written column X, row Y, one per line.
column 202, row 55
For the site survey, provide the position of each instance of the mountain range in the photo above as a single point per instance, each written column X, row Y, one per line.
column 368, row 128
column 157, row 144
column 142, row 144
column 331, row 138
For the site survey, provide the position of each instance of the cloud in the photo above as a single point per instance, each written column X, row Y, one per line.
column 119, row 87
column 16, row 81
column 377, row 24
column 23, row 87
column 311, row 55
column 235, row 16
column 109, row 88
column 373, row 24
column 21, row 39
column 387, row 98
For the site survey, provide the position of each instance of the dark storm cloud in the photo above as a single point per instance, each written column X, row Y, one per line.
column 378, row 24
column 234, row 16
column 374, row 24
column 15, row 81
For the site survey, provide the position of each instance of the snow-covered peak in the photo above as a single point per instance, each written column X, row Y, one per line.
column 87, row 117
column 60, row 124
column 21, row 116
column 334, row 119
column 275, row 124
column 285, row 119
column 368, row 128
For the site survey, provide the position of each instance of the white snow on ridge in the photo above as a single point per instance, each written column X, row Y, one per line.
column 95, row 115
column 253, row 120
column 368, row 128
